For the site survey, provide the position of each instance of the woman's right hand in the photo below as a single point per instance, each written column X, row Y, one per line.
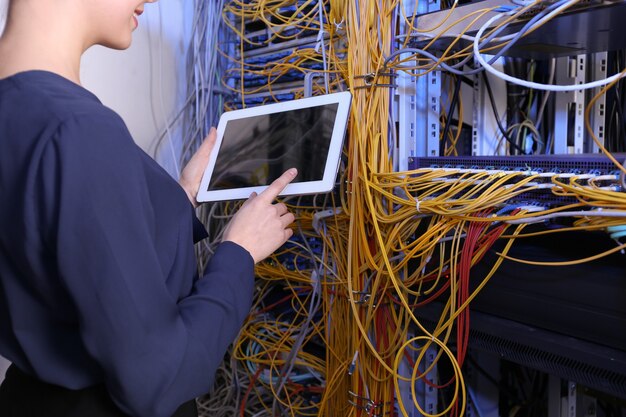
column 260, row 226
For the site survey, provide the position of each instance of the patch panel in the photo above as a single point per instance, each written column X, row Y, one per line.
column 251, row 101
column 269, row 58
column 563, row 163
column 253, row 80
column 259, row 35
column 590, row 166
column 266, row 37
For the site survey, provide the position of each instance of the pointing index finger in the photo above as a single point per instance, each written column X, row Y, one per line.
column 278, row 185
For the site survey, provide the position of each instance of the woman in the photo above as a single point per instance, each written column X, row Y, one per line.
column 101, row 311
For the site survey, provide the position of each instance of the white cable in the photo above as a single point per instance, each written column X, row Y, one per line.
column 463, row 36
column 177, row 169
column 530, row 84
column 590, row 213
column 323, row 47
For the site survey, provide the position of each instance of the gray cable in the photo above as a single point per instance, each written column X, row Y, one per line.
column 453, row 68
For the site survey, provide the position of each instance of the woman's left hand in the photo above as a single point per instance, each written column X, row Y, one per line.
column 192, row 173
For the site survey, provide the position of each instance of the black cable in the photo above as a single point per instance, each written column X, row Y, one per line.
column 546, row 70
column 466, row 80
column 611, row 122
column 515, row 94
column 609, row 409
column 497, row 116
column 482, row 371
column 538, row 396
column 617, row 119
column 548, row 125
column 453, row 105
column 613, row 142
column 620, row 89
column 621, row 119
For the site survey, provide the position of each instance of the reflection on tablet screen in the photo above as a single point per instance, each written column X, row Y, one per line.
column 257, row 150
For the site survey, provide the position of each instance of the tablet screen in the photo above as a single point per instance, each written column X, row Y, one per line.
column 256, row 150
column 254, row 146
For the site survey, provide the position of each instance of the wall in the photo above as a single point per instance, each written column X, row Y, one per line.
column 145, row 84
column 3, row 13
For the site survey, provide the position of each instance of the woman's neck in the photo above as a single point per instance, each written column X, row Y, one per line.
column 40, row 37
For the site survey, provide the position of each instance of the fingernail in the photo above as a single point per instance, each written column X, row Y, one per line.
column 293, row 172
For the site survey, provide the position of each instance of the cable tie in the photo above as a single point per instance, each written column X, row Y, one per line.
column 315, row 279
column 320, row 39
column 319, row 217
column 417, row 204
column 353, row 363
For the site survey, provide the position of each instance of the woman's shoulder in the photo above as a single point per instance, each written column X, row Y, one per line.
column 41, row 104
column 45, row 97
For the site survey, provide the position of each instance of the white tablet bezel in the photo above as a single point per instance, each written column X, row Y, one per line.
column 310, row 187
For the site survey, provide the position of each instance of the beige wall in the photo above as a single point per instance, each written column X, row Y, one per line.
column 145, row 83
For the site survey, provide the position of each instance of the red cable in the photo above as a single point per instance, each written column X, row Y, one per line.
column 242, row 408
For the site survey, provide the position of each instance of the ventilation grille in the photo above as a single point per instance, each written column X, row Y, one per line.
column 567, row 368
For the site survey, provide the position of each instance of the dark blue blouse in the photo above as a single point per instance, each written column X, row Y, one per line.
column 98, row 279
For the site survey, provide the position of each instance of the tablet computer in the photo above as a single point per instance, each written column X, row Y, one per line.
column 256, row 145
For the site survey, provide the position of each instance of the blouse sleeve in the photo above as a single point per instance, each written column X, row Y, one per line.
column 155, row 351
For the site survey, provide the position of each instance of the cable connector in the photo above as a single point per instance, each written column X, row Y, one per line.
column 369, row 406
column 364, row 297
column 319, row 216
